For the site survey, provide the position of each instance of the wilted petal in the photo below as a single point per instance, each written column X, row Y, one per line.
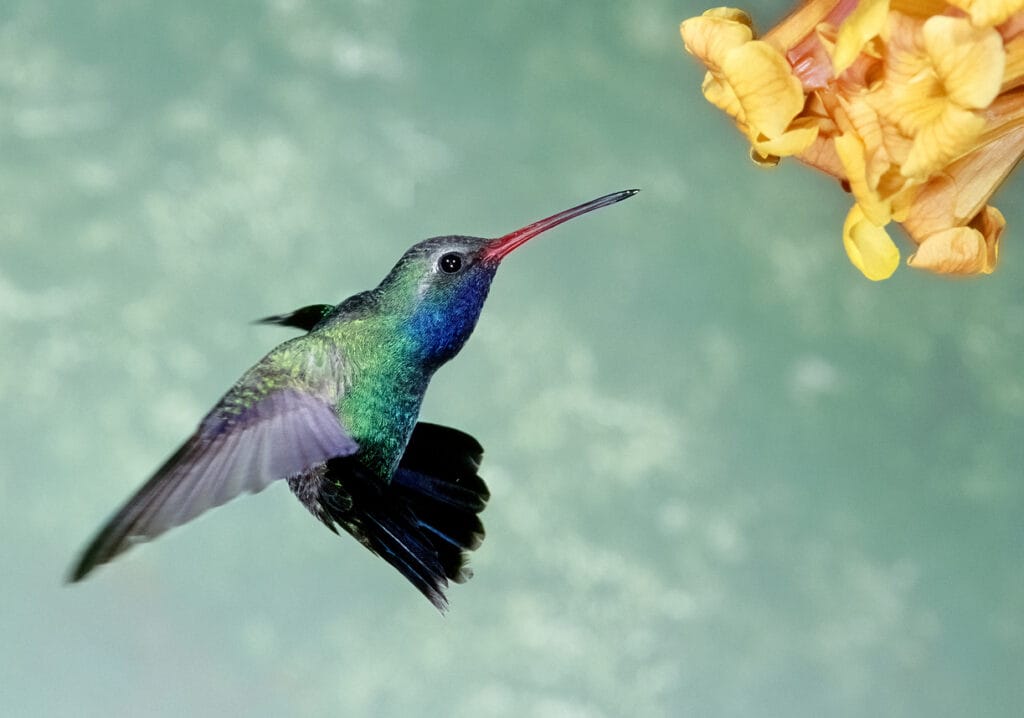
column 963, row 250
column 934, row 207
column 958, row 250
column 958, row 194
column 869, row 246
column 991, row 223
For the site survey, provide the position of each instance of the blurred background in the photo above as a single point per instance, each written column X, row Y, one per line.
column 730, row 476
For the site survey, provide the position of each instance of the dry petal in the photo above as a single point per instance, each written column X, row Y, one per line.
column 958, row 194
column 991, row 223
column 957, row 250
column 1013, row 75
column 933, row 209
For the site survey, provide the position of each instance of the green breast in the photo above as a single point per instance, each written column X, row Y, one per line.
column 383, row 394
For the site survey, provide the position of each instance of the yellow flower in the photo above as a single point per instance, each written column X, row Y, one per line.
column 749, row 80
column 937, row 74
column 916, row 106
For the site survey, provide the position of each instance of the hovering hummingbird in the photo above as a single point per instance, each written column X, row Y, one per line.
column 334, row 413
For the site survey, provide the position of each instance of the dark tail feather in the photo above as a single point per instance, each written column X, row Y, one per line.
column 425, row 521
column 453, row 529
column 437, row 478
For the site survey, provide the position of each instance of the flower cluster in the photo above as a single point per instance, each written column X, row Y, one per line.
column 916, row 106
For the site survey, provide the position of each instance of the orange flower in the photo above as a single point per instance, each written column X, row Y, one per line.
column 916, row 106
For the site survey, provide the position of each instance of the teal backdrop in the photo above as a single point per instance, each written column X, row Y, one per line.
column 730, row 476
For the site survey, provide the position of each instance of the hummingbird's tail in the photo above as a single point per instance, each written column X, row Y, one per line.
column 425, row 521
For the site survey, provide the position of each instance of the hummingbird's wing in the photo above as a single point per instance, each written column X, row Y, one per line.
column 305, row 318
column 309, row 317
column 241, row 446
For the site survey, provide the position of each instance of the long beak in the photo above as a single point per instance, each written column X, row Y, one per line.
column 498, row 248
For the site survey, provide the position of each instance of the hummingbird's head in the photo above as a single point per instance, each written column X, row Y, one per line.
column 440, row 284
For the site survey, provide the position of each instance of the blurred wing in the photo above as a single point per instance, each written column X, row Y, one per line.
column 305, row 318
column 234, row 451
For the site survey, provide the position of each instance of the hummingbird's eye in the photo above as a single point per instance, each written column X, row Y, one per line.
column 450, row 263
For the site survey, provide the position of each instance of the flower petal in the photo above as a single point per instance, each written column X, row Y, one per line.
column 963, row 250
column 765, row 86
column 720, row 94
column 731, row 13
column 869, row 246
column 953, row 134
column 852, row 155
column 961, row 191
column 863, row 24
column 805, row 19
column 1013, row 75
column 991, row 223
column 791, row 142
column 714, row 34
column 920, row 8
column 913, row 94
column 969, row 61
column 711, row 38
column 986, row 13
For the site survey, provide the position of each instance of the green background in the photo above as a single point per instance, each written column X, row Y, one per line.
column 730, row 476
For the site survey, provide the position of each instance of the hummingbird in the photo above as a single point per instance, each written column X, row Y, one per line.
column 334, row 413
